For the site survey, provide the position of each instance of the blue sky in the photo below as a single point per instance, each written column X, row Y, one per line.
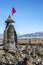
column 28, row 17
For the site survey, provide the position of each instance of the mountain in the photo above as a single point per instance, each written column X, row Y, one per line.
column 32, row 35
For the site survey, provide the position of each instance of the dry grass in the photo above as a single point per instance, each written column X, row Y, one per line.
column 1, row 40
column 32, row 40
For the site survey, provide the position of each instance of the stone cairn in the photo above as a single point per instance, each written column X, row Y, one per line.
column 13, row 54
column 8, row 55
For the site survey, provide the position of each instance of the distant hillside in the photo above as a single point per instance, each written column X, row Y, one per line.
column 32, row 35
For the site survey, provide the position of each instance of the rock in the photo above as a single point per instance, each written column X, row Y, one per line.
column 10, row 36
column 2, row 52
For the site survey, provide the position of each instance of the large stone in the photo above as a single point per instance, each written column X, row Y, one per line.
column 10, row 36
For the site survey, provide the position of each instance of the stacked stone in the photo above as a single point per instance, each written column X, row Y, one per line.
column 10, row 36
column 9, row 43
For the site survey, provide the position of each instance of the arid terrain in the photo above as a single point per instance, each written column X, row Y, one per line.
column 26, row 50
column 1, row 40
column 31, row 40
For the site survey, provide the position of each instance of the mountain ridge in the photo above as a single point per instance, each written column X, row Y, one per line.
column 32, row 35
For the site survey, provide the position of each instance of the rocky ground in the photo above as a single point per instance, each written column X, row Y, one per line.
column 21, row 55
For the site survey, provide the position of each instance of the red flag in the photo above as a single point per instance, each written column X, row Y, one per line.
column 13, row 10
